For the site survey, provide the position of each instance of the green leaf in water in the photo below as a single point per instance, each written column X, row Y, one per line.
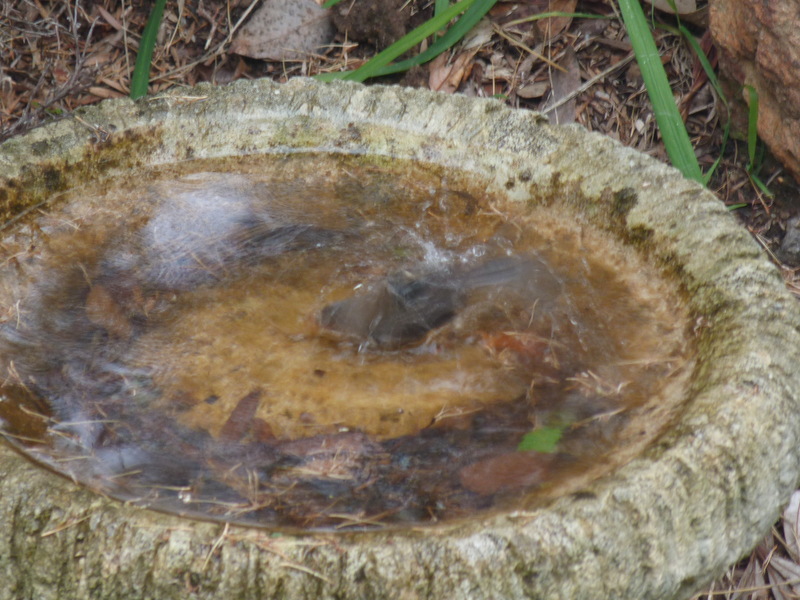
column 541, row 439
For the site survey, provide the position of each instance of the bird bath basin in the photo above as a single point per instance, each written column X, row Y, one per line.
column 378, row 342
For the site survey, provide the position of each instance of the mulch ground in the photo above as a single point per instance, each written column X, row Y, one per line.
column 59, row 55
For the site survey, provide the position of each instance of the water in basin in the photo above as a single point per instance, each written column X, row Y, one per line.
column 325, row 341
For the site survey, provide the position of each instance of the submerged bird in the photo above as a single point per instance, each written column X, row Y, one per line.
column 211, row 223
column 203, row 229
column 402, row 308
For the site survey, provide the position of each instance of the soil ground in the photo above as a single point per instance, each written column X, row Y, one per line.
column 59, row 55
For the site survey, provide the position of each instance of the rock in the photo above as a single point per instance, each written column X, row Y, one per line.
column 285, row 30
column 789, row 251
column 759, row 45
column 379, row 23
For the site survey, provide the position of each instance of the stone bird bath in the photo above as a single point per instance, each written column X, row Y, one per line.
column 693, row 493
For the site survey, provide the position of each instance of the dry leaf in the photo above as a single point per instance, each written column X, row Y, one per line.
column 564, row 84
column 110, row 19
column 533, row 90
column 512, row 470
column 104, row 93
column 284, row 30
column 447, row 77
column 684, row 6
column 478, row 36
column 551, row 27
column 241, row 417
column 791, row 526
column 783, row 575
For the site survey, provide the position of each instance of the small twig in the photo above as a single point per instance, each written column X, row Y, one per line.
column 305, row 570
column 217, row 543
column 501, row 32
column 66, row 525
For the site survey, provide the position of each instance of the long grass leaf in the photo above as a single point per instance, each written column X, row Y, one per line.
column 380, row 64
column 673, row 131
column 701, row 56
column 726, row 133
column 141, row 71
column 440, row 6
column 453, row 35
column 682, row 31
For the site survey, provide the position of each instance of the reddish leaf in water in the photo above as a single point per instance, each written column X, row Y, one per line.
column 241, row 417
column 261, row 431
column 506, row 471
column 526, row 348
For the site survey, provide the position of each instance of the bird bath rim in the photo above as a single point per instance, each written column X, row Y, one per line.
column 690, row 504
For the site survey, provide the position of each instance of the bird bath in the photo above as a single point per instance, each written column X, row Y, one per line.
column 334, row 341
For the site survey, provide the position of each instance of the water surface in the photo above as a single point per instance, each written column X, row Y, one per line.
column 325, row 341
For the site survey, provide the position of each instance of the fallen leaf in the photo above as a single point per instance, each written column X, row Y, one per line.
column 241, row 417
column 284, row 30
column 554, row 25
column 791, row 526
column 564, row 84
column 478, row 36
column 104, row 93
column 261, row 431
column 533, row 90
column 506, row 471
column 446, row 77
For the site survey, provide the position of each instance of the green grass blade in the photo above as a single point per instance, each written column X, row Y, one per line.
column 701, row 56
column 714, row 81
column 439, row 7
column 673, row 131
column 453, row 35
column 471, row 17
column 726, row 133
column 380, row 65
column 141, row 71
column 761, row 185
